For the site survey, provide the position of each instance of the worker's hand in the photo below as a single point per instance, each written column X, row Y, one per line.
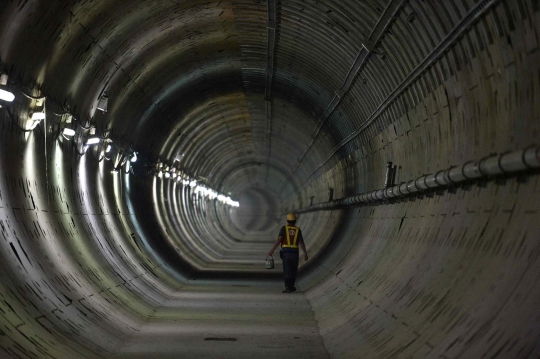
column 271, row 254
column 306, row 257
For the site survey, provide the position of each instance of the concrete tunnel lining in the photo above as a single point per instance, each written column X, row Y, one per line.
column 306, row 102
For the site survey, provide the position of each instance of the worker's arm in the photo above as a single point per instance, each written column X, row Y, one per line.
column 278, row 242
column 303, row 248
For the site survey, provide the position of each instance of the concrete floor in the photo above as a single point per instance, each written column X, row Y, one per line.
column 229, row 322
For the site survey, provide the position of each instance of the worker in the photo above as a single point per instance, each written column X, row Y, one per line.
column 290, row 238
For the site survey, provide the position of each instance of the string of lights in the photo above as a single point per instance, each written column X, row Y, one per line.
column 169, row 172
column 86, row 136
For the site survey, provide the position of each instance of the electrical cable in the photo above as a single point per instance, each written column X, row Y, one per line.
column 32, row 97
column 83, row 127
column 60, row 114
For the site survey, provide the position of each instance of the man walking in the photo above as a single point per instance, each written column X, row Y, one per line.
column 290, row 237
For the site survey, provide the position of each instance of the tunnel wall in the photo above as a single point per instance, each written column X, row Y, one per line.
column 78, row 276
column 449, row 275
column 452, row 273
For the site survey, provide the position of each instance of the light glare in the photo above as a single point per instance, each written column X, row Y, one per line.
column 69, row 132
column 38, row 116
column 6, row 96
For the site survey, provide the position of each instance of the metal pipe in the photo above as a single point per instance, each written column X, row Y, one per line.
column 493, row 165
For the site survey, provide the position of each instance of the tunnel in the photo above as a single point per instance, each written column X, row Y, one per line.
column 150, row 151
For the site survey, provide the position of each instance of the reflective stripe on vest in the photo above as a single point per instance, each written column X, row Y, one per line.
column 291, row 237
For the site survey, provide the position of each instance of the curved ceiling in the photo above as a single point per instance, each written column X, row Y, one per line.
column 241, row 95
column 215, row 88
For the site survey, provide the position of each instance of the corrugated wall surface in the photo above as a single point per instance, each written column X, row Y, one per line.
column 298, row 102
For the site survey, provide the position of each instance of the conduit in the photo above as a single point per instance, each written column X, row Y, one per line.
column 494, row 165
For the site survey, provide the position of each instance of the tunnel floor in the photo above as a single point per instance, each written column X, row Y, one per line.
column 239, row 321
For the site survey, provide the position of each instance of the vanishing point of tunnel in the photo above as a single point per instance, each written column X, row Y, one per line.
column 150, row 151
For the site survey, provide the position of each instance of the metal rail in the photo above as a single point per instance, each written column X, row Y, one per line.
column 367, row 48
column 270, row 53
column 472, row 16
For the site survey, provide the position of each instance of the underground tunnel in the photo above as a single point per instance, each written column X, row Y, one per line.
column 151, row 149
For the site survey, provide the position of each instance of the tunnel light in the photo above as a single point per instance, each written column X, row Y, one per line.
column 92, row 141
column 193, row 183
column 68, row 132
column 134, row 157
column 38, row 116
column 103, row 103
column 160, row 174
column 6, row 96
column 108, row 149
column 167, row 175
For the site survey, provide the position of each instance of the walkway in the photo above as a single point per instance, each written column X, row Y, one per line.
column 230, row 322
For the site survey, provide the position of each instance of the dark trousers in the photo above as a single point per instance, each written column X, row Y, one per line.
column 290, row 268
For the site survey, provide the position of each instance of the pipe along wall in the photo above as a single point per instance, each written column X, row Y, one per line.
column 87, row 256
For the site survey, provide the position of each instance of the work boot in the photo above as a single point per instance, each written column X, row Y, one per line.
column 287, row 290
column 293, row 289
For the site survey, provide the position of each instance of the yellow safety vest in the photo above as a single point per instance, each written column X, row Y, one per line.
column 291, row 237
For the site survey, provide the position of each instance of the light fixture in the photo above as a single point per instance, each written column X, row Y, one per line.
column 103, row 103
column 134, row 157
column 92, row 141
column 108, row 149
column 38, row 116
column 6, row 96
column 167, row 175
column 193, row 183
column 3, row 79
column 68, row 132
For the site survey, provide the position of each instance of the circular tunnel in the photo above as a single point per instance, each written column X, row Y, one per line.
column 150, row 150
